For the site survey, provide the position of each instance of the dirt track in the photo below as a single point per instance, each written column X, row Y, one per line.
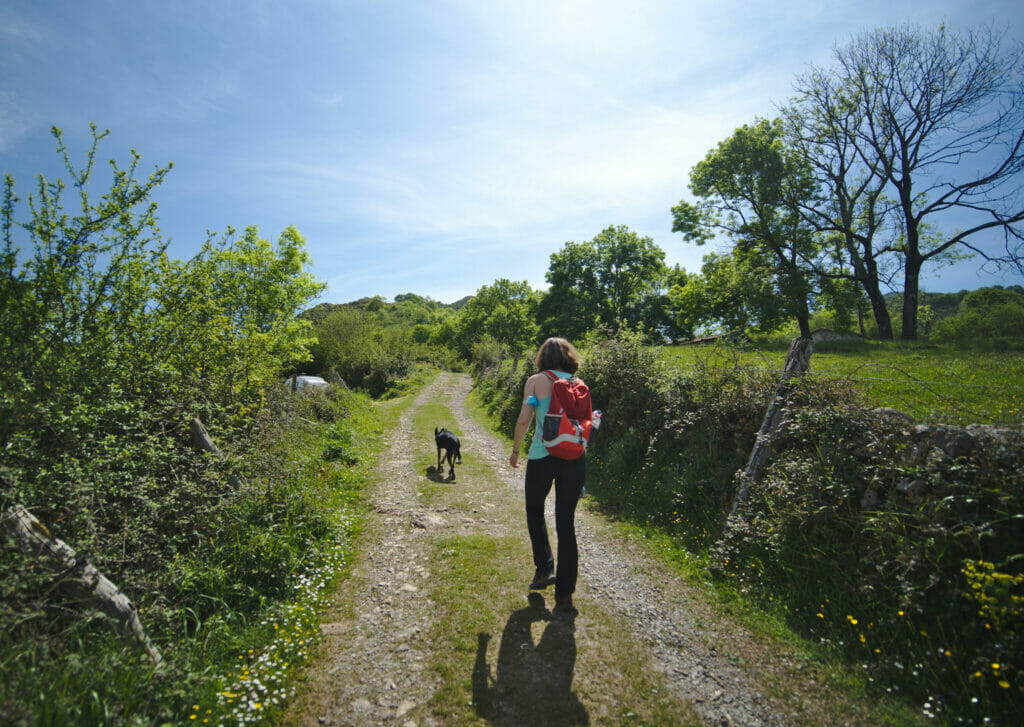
column 377, row 664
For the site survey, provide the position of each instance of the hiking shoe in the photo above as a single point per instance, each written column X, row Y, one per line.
column 563, row 604
column 543, row 578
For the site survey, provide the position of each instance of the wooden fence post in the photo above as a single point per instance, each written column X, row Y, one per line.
column 84, row 578
column 798, row 360
column 201, row 440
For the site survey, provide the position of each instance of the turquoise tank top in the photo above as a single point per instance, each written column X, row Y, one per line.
column 537, row 448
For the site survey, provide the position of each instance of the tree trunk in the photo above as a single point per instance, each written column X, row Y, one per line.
column 910, row 297
column 804, row 321
column 865, row 270
column 877, row 298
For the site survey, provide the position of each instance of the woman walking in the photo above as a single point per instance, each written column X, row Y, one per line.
column 556, row 358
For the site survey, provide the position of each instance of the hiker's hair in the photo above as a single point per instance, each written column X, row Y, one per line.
column 557, row 353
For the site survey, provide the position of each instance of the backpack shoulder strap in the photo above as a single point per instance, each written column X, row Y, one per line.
column 555, row 377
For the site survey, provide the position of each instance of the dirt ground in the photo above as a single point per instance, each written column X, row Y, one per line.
column 378, row 656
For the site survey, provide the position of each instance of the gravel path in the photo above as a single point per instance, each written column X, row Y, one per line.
column 374, row 673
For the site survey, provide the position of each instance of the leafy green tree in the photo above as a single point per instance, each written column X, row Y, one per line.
column 505, row 310
column 732, row 292
column 74, row 304
column 616, row 280
column 228, row 315
column 571, row 306
column 748, row 188
column 986, row 313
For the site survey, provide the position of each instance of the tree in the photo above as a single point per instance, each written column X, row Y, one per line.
column 732, row 292
column 616, row 280
column 232, row 309
column 749, row 188
column 506, row 311
column 97, row 321
column 852, row 212
column 571, row 305
column 939, row 117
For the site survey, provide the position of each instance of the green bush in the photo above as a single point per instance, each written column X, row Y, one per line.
column 1000, row 321
column 110, row 349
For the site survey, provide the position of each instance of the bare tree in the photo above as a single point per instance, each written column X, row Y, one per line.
column 938, row 118
column 851, row 211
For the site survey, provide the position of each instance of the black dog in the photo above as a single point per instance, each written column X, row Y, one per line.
column 450, row 444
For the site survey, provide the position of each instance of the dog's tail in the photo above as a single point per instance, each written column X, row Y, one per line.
column 458, row 455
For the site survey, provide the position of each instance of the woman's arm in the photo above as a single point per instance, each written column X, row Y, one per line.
column 523, row 422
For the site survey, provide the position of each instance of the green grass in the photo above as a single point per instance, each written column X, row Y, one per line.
column 251, row 677
column 929, row 382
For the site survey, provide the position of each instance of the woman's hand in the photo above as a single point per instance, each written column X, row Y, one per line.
column 514, row 458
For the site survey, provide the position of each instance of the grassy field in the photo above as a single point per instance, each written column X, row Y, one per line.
column 931, row 383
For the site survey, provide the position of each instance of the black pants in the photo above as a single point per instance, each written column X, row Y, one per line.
column 567, row 476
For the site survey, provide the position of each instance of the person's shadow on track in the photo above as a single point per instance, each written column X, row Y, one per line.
column 532, row 684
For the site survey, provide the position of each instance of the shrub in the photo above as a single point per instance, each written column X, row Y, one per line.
column 901, row 554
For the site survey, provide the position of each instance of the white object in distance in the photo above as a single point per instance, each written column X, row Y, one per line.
column 298, row 383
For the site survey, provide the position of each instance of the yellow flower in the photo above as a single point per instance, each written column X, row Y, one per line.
column 995, row 666
column 1004, row 684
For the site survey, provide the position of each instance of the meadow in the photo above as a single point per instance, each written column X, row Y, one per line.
column 933, row 383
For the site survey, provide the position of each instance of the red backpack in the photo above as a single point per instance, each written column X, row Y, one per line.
column 567, row 426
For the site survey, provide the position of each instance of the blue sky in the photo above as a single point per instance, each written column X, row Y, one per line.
column 419, row 146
